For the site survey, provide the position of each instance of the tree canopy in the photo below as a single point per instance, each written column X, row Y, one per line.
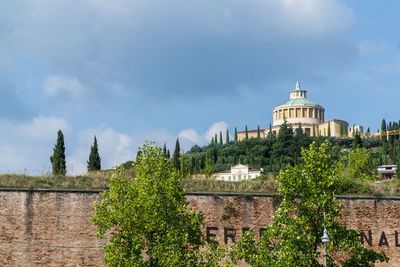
column 147, row 220
column 308, row 205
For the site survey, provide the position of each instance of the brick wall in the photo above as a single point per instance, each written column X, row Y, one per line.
column 53, row 228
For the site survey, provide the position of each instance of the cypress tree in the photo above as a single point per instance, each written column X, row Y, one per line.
column 220, row 137
column 58, row 163
column 212, row 140
column 235, row 135
column 227, row 136
column 94, row 162
column 215, row 139
column 329, row 128
column 176, row 156
column 246, row 133
column 258, row 132
column 357, row 142
column 270, row 135
column 165, row 149
column 283, row 151
column 168, row 154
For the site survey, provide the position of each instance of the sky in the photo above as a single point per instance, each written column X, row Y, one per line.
column 129, row 71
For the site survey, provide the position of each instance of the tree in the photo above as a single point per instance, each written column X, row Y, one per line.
column 246, row 133
column 258, row 132
column 94, row 162
column 146, row 219
column 359, row 163
column 227, row 136
column 329, row 128
column 57, row 160
column 341, row 129
column 176, row 156
column 235, row 135
column 357, row 142
column 283, row 148
column 165, row 149
column 308, row 205
column 220, row 138
column 215, row 139
column 270, row 134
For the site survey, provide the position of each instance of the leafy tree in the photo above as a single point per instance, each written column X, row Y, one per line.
column 227, row 136
column 94, row 162
column 258, row 132
column 57, row 160
column 220, row 138
column 176, row 156
column 358, row 163
column 308, row 205
column 246, row 133
column 235, row 135
column 146, row 219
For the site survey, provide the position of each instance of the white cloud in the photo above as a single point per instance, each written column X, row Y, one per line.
column 114, row 148
column 190, row 135
column 215, row 128
column 44, row 128
column 26, row 147
column 56, row 86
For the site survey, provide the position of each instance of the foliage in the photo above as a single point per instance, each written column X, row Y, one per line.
column 358, row 163
column 94, row 162
column 57, row 160
column 176, row 156
column 308, row 205
column 146, row 218
column 235, row 136
column 357, row 142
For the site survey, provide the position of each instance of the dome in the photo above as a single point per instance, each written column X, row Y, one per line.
column 298, row 110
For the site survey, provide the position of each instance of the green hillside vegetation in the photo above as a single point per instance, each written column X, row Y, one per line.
column 358, row 159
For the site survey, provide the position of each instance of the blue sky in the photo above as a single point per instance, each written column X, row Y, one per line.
column 130, row 71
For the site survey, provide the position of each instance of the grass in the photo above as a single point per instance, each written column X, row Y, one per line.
column 266, row 184
column 90, row 181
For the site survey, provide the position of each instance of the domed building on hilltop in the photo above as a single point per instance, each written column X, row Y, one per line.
column 299, row 110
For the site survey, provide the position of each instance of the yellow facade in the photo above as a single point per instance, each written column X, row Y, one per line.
column 338, row 128
column 251, row 134
column 299, row 111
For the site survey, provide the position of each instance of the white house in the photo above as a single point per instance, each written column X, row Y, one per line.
column 387, row 171
column 237, row 173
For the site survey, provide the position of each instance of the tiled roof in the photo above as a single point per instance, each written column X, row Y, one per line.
column 298, row 102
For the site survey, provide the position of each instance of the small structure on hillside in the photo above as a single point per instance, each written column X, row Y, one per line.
column 237, row 173
column 387, row 171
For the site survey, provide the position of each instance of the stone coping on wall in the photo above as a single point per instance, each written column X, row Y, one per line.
column 238, row 194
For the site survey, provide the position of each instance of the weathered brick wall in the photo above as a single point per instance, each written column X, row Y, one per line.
column 48, row 229
column 53, row 228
